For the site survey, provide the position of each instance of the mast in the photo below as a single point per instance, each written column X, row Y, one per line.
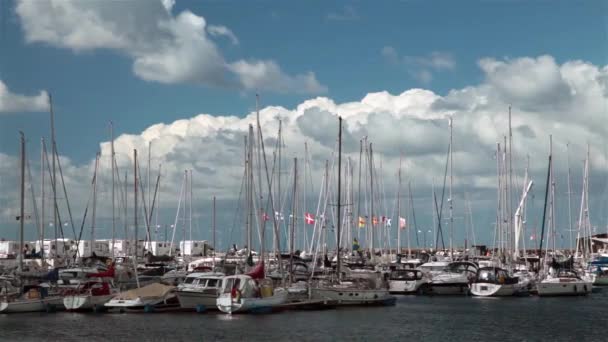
column 22, row 203
column 371, row 177
column 93, row 216
column 510, row 192
column 54, row 172
column 399, row 216
column 42, row 178
column 190, row 183
column 542, row 231
column 213, row 226
column 293, row 218
column 359, row 189
column 112, row 156
column 450, row 199
column 251, row 188
column 339, row 195
column 135, row 201
column 569, row 195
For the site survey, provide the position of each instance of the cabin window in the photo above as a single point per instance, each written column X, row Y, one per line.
column 189, row 280
column 196, row 245
column 212, row 282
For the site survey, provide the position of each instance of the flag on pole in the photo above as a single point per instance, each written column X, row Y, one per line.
column 389, row 222
column 361, row 222
column 356, row 244
column 374, row 220
column 265, row 217
column 309, row 218
column 384, row 219
column 402, row 223
column 279, row 216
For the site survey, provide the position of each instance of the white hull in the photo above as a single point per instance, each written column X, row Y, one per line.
column 226, row 304
column 449, row 289
column 570, row 288
column 494, row 290
column 32, row 305
column 85, row 302
column 405, row 286
column 193, row 300
column 137, row 303
column 347, row 296
column 601, row 280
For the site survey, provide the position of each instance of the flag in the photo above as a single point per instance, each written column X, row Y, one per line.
column 532, row 237
column 374, row 220
column 383, row 219
column 279, row 216
column 389, row 222
column 355, row 244
column 402, row 223
column 265, row 217
column 309, row 218
column 361, row 222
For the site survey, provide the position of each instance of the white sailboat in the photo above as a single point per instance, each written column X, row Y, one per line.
column 495, row 282
column 454, row 280
column 34, row 299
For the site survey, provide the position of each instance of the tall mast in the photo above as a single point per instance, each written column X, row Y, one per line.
column 510, row 192
column 112, row 158
column 450, row 199
column 251, row 188
column 213, row 226
column 190, row 211
column 42, row 194
column 93, row 216
column 54, row 172
column 359, row 188
column 279, row 178
column 339, row 196
column 371, row 177
column 293, row 218
column 569, row 196
column 135, row 202
column 399, row 215
column 22, row 202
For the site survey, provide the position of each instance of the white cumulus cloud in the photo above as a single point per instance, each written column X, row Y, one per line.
column 164, row 47
column 11, row 102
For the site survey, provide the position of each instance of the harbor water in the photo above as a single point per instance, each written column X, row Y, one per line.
column 413, row 318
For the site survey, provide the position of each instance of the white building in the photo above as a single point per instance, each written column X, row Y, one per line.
column 194, row 247
column 63, row 247
column 100, row 248
column 9, row 249
column 159, row 248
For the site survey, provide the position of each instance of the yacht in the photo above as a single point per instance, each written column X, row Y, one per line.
column 454, row 279
column 495, row 282
column 200, row 291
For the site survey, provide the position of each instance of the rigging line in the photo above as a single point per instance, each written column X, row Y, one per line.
column 440, row 213
column 31, row 186
column 238, row 208
column 67, row 198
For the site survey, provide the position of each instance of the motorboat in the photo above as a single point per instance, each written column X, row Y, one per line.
column 407, row 281
column 454, row 279
column 148, row 296
column 200, row 291
column 352, row 292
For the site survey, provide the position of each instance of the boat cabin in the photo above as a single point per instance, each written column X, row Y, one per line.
column 406, row 275
column 240, row 285
column 495, row 275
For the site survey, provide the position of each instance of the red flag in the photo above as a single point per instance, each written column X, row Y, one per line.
column 309, row 218
column 374, row 220
column 265, row 217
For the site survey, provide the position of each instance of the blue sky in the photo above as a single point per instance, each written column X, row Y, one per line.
column 340, row 42
column 465, row 53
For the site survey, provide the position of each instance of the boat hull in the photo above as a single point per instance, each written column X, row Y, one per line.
column 448, row 289
column 353, row 296
column 197, row 300
column 578, row 288
column 405, row 286
column 494, row 290
column 37, row 305
column 86, row 302
column 226, row 304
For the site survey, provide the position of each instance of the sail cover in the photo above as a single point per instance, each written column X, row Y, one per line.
column 258, row 271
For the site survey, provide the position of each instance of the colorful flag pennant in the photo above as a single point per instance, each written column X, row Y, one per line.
column 402, row 223
column 309, row 218
column 361, row 222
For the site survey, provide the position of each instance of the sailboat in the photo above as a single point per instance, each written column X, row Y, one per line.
column 92, row 294
column 561, row 279
column 247, row 293
column 349, row 291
